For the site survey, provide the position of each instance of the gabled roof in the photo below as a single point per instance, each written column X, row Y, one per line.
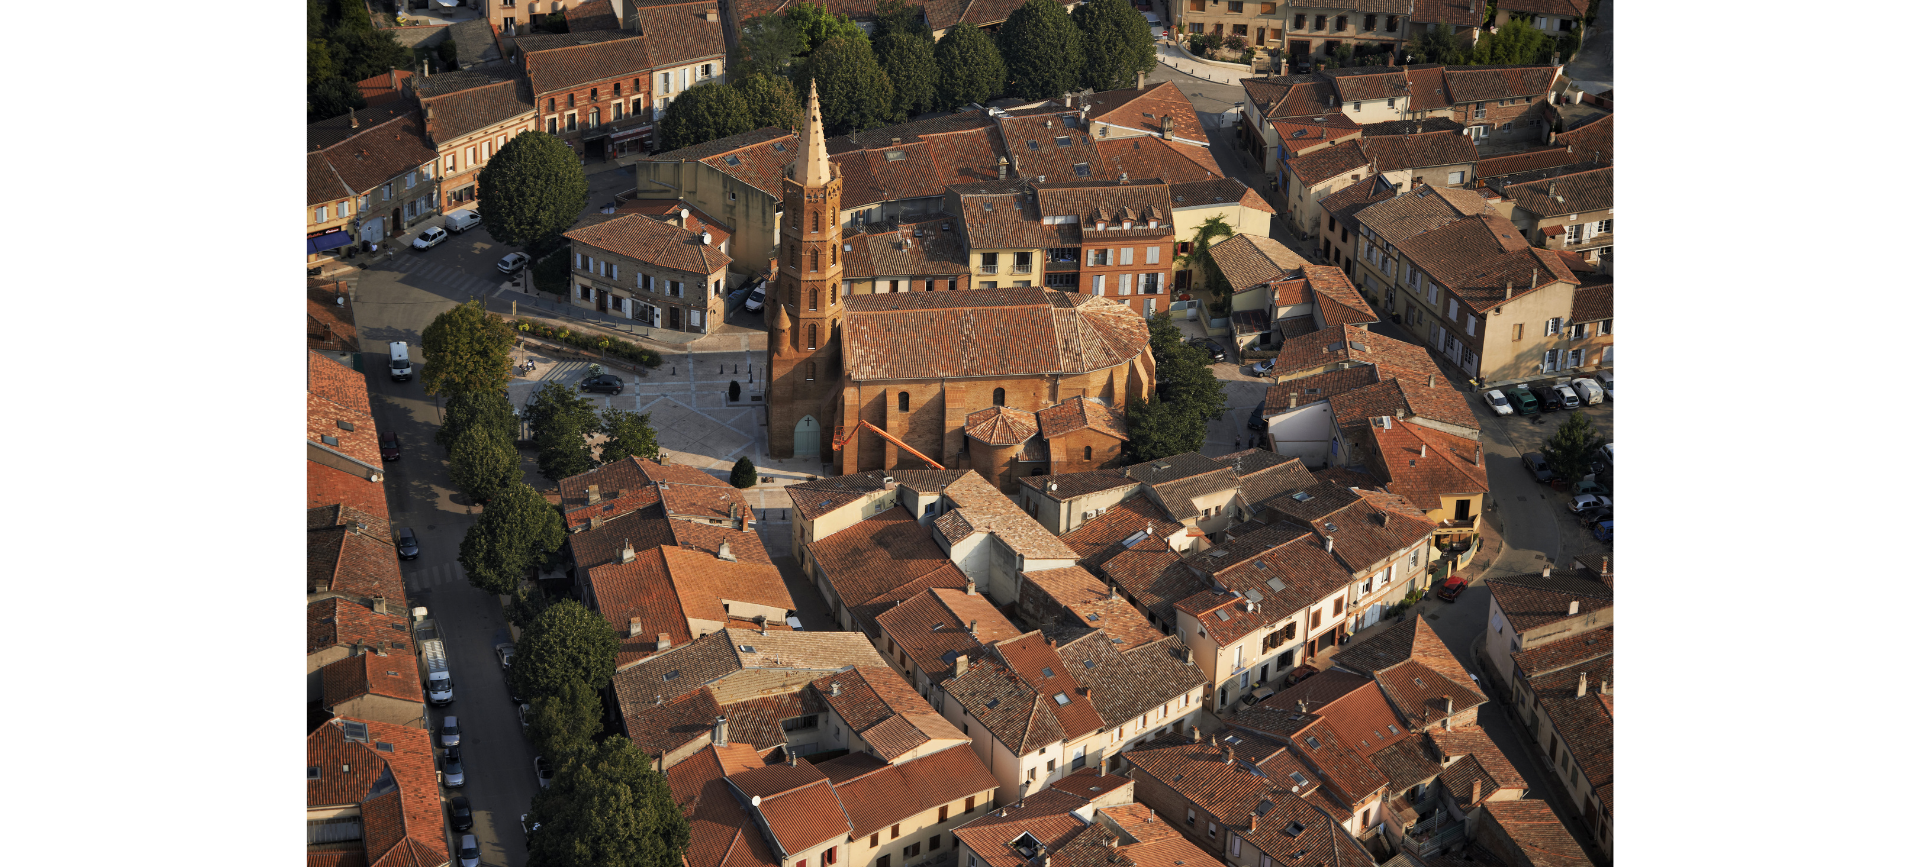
column 1594, row 140
column 560, row 62
column 1543, row 659
column 1415, row 670
column 1144, row 157
column 648, row 240
column 1146, row 110
column 1353, row 343
column 795, row 802
column 471, row 100
column 1583, row 722
column 357, row 152
column 1459, row 13
column 635, row 483
column 1536, row 833
column 1129, row 678
column 1153, row 576
column 876, row 555
column 1046, row 816
column 1249, row 260
column 389, row 772
column 1002, row 332
column 1325, row 165
column 1359, row 84
column 923, row 248
column 1060, row 487
column 349, row 561
column 1532, row 601
column 1293, row 96
column 679, row 33
column 876, row 798
column 1093, row 604
column 1581, row 192
column 1424, row 465
column 1013, row 712
column 722, row 834
column 1318, row 387
column 338, row 409
column 1423, row 150
column 936, row 627
column 1336, row 298
column 1100, row 539
column 1034, row 660
column 1483, row 83
column 820, row 496
column 1592, row 302
column 389, row 675
column 1472, row 757
column 1551, row 156
column 340, row 622
column 1420, row 209
column 1346, row 203
column 1202, row 194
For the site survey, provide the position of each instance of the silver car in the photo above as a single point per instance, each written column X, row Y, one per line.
column 430, row 238
column 452, row 771
column 469, row 851
column 1499, row 402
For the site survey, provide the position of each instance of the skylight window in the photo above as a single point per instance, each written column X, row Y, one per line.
column 383, row 746
column 1416, row 682
column 1302, row 496
column 1276, row 584
column 1062, row 140
column 1047, row 671
column 1298, row 779
column 1391, row 730
column 1088, row 663
column 1082, row 169
column 993, row 704
column 670, row 675
column 1293, row 829
column 1032, row 145
column 1313, row 742
column 896, row 156
column 780, row 146
column 313, row 772
column 732, row 160
column 356, row 732
column 1093, row 618
column 1232, row 739
column 747, row 648
column 1222, row 614
column 1249, row 768
column 1060, row 698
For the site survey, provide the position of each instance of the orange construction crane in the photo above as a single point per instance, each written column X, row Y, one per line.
column 843, row 433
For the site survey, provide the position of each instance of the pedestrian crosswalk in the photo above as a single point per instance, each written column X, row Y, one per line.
column 444, row 274
column 436, row 576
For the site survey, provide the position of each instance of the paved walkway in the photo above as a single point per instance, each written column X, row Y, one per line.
column 1184, row 62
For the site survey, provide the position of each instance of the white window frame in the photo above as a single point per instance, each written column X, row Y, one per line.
column 1456, row 178
column 1553, row 325
column 1575, row 357
column 1153, row 255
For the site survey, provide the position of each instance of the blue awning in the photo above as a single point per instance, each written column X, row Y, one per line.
column 328, row 241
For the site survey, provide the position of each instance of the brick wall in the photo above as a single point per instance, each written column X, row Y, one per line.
column 1527, row 117
column 1068, row 451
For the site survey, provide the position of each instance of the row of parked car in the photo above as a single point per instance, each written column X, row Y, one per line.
column 453, row 773
column 1538, row 397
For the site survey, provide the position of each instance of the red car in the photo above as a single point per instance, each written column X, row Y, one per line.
column 389, row 446
column 1450, row 591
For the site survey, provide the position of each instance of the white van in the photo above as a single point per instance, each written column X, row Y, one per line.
column 397, row 363
column 460, row 221
column 1589, row 391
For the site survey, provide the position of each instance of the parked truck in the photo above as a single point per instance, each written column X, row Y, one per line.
column 433, row 659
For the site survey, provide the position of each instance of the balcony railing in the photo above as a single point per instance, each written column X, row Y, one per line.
column 1023, row 269
column 989, row 269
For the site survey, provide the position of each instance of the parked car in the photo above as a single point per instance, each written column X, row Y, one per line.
column 389, row 446
column 504, row 652
column 1549, row 398
column 757, row 299
column 459, row 813
column 1258, row 421
column 1523, row 400
column 1569, row 399
column 450, row 731
column 469, row 851
column 1589, row 486
column 512, row 263
column 1603, row 530
column 430, row 238
column 1589, row 391
column 1299, row 673
column 1499, row 403
column 460, row 221
column 524, row 711
column 1536, row 463
column 406, row 544
column 451, row 771
column 1586, row 503
column 1605, row 378
column 543, row 770
column 605, row 383
column 1450, row 591
column 1212, row 348
column 1264, row 366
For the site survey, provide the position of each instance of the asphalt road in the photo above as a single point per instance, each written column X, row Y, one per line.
column 497, row 758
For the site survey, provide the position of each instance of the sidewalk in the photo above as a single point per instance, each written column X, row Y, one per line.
column 1181, row 61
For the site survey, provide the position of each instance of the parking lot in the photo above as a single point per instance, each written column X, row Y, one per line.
column 1525, row 434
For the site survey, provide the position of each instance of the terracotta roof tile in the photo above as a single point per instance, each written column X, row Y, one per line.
column 1531, row 601
column 1415, row 670
column 1460, row 13
column 1293, row 96
column 878, row 554
column 1132, row 678
column 1046, row 815
column 1544, row 659
column 337, row 622
column 1396, row 152
column 999, row 331
column 1536, row 832
column 679, row 34
column 471, row 100
column 1592, row 303
column 1583, row 722
column 1093, row 604
column 1437, row 464
column 1368, row 83
column 560, row 62
column 651, row 241
column 1483, row 83
column 1579, row 192
column 914, row 249
column 1324, row 165
column 885, row 796
column 1143, row 109
column 820, row 496
column 1001, row 426
column 722, row 833
column 1592, row 141
column 350, row 562
column 1353, row 343
column 1151, row 157
column 1421, row 209
column 932, row 628
column 1100, row 539
column 390, row 675
column 1065, row 486
column 1551, row 156
column 1080, row 413
column 343, row 160
column 1248, row 260
column 397, row 788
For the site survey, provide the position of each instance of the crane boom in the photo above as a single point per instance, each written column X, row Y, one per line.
column 843, row 433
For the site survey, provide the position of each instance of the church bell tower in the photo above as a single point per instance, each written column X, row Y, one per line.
column 803, row 313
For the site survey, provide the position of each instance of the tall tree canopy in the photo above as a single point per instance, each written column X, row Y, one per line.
column 516, row 531
column 971, row 69
column 467, row 349
column 565, row 644
column 1118, row 43
column 770, row 99
column 854, row 93
column 607, row 807
column 907, row 59
column 1043, row 50
column 533, row 190
column 561, row 420
column 703, row 113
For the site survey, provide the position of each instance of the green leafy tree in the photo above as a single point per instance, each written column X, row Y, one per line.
column 1436, row 46
column 565, row 724
column 1574, row 447
column 316, row 18
column 768, row 45
column 554, row 22
column 483, row 462
column 333, row 97
column 352, row 15
column 703, row 113
column 1118, row 43
column 971, row 69
column 465, row 409
column 814, row 26
column 1154, row 430
column 1201, row 259
column 533, row 190
column 565, row 644
column 907, row 59
column 562, row 420
column 449, row 55
column 516, row 531
column 770, row 99
column 745, row 474
column 607, row 807
column 468, row 349
column 363, row 54
column 1519, row 43
column 629, row 435
column 898, row 16
column 320, row 65
column 1192, row 394
column 1042, row 50
column 855, row 93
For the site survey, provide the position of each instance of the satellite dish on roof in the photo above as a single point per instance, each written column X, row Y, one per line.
column 1296, row 790
column 756, row 798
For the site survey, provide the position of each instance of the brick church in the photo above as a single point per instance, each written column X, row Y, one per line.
column 1006, row 382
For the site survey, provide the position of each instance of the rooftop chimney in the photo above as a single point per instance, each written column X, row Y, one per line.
column 711, row 14
column 1533, row 282
column 1449, row 705
column 793, row 759
column 1226, row 754
column 1573, row 608
column 1423, row 450
column 1140, row 81
column 626, row 551
column 1476, row 453
column 353, row 120
column 380, row 605
column 1606, row 567
column 1581, row 689
column 726, row 553
column 1429, row 380
column 1476, row 792
column 1293, row 400
column 393, row 79
column 1303, row 705
column 972, row 589
column 720, row 732
column 634, row 626
column 1193, row 734
column 1329, row 544
column 833, row 688
column 593, row 494
column 662, row 642
column 1546, row 571
column 1003, row 168
column 1606, row 687
column 1253, row 822
column 1509, row 290
column 1186, row 654
column 973, row 626
column 960, row 665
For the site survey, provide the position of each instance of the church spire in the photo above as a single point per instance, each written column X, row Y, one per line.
column 813, row 170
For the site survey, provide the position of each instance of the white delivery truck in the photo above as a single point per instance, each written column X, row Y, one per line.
column 460, row 221
column 398, row 364
column 433, row 659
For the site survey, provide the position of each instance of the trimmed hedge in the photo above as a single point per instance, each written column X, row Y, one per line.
column 610, row 346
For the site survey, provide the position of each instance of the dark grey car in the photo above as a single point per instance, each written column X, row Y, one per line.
column 408, row 544
column 605, row 383
column 1548, row 397
column 1213, row 349
column 1536, row 463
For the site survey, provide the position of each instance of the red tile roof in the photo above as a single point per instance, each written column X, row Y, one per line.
column 1551, row 156
column 327, row 486
column 556, row 63
column 933, row 628
column 878, row 554
column 1538, row 838
column 337, row 622
column 1146, row 110
column 1459, row 13
column 884, row 796
column 1080, row 413
column 1002, row 332
column 1425, row 150
column 639, row 602
column 347, row 561
column 1334, row 344
column 336, row 401
column 397, row 788
column 1001, row 426
column 1416, row 671
column 1316, row 168
column 651, row 241
column 1094, row 604
column 722, row 833
column 1595, row 140
column 1045, row 815
column 679, row 34
column 1150, row 157
column 1426, row 465
column 389, row 675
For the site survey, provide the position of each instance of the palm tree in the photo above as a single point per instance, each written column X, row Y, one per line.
column 1201, row 259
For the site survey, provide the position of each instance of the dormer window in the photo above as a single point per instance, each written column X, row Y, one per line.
column 1102, row 225
column 1126, row 224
